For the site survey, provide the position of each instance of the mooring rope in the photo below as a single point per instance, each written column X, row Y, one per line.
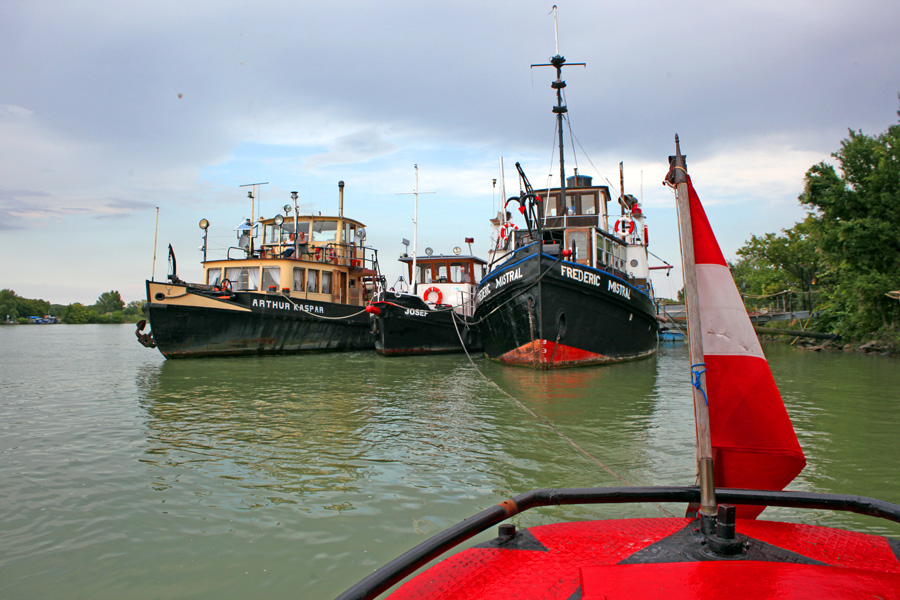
column 548, row 424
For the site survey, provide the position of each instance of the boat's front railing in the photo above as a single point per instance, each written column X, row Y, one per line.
column 393, row 572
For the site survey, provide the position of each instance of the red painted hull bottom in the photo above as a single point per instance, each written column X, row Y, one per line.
column 551, row 355
column 655, row 558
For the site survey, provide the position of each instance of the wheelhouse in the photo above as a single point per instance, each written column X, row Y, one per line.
column 312, row 257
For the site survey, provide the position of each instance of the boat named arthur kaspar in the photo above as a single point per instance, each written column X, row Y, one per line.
column 436, row 315
column 292, row 284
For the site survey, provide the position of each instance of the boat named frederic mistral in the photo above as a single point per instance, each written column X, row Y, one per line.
column 293, row 283
column 573, row 288
column 435, row 316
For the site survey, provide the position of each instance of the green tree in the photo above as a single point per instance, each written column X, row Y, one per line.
column 77, row 313
column 135, row 307
column 8, row 304
column 858, row 216
column 109, row 302
column 771, row 264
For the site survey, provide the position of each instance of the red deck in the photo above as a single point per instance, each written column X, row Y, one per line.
column 654, row 558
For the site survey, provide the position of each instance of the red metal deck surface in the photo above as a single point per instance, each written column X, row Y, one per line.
column 585, row 560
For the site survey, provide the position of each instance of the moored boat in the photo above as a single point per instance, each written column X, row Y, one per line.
column 293, row 283
column 747, row 453
column 435, row 316
column 571, row 288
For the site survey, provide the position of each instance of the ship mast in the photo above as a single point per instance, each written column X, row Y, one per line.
column 560, row 109
column 705, row 464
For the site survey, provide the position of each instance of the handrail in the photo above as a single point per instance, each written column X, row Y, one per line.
column 394, row 571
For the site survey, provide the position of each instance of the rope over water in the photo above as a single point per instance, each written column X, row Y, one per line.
column 547, row 423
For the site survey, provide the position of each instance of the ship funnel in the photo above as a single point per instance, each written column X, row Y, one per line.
column 341, row 199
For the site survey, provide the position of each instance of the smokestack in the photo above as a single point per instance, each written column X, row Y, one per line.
column 341, row 199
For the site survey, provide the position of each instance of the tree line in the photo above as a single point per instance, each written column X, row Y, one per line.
column 109, row 308
column 843, row 259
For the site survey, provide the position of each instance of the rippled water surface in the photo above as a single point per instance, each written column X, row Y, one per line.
column 126, row 475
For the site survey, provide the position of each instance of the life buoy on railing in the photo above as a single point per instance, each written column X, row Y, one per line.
column 331, row 255
column 504, row 230
column 625, row 225
column 440, row 296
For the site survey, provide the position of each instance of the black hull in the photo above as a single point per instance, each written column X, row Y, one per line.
column 407, row 326
column 191, row 323
column 562, row 314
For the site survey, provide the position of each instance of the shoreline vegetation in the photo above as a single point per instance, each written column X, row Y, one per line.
column 109, row 308
column 840, row 265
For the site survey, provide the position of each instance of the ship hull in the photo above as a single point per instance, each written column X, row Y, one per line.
column 543, row 312
column 188, row 321
column 406, row 326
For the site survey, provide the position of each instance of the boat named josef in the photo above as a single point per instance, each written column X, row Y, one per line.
column 436, row 315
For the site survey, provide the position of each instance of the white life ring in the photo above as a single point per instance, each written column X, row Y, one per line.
column 504, row 229
column 625, row 224
column 440, row 296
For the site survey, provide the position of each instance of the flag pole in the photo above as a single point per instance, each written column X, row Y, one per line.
column 705, row 466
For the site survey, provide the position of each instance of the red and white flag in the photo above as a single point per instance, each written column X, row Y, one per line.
column 753, row 440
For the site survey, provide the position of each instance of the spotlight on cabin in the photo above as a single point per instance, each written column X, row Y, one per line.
column 204, row 224
column 279, row 220
column 287, row 207
column 429, row 251
column 457, row 250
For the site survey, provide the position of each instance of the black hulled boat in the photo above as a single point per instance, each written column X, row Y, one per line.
column 293, row 283
column 435, row 316
column 571, row 288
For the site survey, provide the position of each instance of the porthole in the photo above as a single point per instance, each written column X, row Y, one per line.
column 160, row 297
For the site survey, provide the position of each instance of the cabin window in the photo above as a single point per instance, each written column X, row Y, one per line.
column 423, row 273
column 349, row 233
column 579, row 240
column 271, row 276
column 326, row 282
column 213, row 276
column 312, row 281
column 440, row 272
column 302, row 227
column 271, row 234
column 588, row 204
column 298, row 278
column 324, row 231
column 479, row 273
column 457, row 271
column 243, row 278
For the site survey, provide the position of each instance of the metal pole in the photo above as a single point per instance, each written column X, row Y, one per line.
column 705, row 465
column 155, row 232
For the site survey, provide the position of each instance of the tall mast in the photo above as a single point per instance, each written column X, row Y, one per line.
column 416, row 193
column 705, row 465
column 560, row 109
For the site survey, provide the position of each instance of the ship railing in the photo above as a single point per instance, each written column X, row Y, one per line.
column 465, row 302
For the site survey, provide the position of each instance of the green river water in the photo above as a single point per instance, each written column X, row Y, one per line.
column 126, row 475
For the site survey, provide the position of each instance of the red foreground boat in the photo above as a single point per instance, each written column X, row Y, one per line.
column 745, row 444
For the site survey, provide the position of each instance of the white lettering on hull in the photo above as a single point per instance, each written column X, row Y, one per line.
column 286, row 305
column 499, row 282
column 595, row 279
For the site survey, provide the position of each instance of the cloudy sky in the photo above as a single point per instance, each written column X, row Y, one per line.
column 109, row 110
